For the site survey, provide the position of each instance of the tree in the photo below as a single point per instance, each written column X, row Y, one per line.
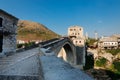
column 117, row 65
column 90, row 42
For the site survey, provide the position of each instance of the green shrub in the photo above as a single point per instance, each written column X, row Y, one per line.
column 26, row 45
column 113, row 51
column 113, row 75
column 91, row 41
column 117, row 65
column 101, row 62
column 19, row 45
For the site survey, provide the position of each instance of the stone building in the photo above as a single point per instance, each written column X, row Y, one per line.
column 76, row 35
column 7, row 33
column 118, row 38
column 108, row 43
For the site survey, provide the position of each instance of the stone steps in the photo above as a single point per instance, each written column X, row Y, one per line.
column 21, row 66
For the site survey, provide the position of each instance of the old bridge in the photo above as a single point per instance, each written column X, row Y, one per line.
column 41, row 63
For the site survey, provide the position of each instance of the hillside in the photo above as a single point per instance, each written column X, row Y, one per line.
column 28, row 30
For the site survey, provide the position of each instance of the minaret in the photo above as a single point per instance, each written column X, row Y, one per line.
column 96, row 35
column 86, row 35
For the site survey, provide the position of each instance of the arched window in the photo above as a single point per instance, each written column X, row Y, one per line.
column 1, row 22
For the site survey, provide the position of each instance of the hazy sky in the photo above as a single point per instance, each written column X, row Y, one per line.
column 102, row 16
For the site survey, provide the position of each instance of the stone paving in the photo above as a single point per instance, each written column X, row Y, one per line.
column 56, row 69
column 25, row 66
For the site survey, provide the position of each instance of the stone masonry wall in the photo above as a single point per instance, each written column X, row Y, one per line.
column 9, row 41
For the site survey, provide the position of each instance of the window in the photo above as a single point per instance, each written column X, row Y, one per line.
column 70, row 29
column 1, row 22
column 80, row 29
column 112, row 43
column 76, row 41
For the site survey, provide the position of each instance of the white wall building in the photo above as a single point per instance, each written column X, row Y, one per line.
column 75, row 31
column 108, row 43
column 76, row 34
column 118, row 38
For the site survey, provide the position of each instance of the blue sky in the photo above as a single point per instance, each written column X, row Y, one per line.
column 102, row 16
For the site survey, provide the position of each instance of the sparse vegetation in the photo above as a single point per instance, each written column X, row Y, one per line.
column 91, row 43
column 113, row 75
column 28, row 31
column 113, row 51
column 25, row 45
column 117, row 65
column 101, row 62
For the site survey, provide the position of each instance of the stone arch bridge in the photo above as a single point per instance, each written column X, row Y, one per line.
column 29, row 65
column 65, row 49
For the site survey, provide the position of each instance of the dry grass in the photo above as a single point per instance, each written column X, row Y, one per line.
column 28, row 30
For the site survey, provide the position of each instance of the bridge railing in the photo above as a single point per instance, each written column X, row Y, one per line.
column 51, row 42
column 43, row 44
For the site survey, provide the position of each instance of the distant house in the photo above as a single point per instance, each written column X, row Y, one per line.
column 108, row 43
column 7, row 32
column 118, row 38
column 20, row 42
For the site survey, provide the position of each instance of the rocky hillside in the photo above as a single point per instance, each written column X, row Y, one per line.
column 28, row 30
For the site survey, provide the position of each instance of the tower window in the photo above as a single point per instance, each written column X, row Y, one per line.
column 70, row 29
column 76, row 41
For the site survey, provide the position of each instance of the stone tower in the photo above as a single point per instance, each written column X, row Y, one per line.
column 8, row 27
column 76, row 35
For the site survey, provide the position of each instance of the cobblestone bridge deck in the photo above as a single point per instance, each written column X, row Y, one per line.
column 28, row 65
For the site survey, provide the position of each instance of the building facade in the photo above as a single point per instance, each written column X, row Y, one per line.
column 8, row 28
column 108, row 43
column 118, row 39
column 76, row 35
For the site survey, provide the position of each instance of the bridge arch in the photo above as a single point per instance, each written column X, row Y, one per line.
column 67, row 53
